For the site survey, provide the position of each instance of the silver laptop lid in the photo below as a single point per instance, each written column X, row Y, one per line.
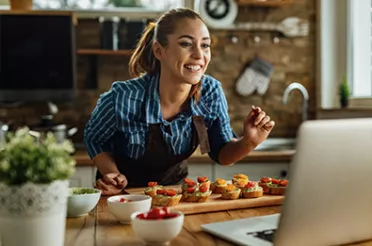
column 329, row 198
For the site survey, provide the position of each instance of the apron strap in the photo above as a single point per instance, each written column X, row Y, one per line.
column 202, row 133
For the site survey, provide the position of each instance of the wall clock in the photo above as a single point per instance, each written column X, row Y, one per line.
column 217, row 13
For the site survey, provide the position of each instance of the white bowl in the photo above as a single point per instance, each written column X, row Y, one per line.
column 81, row 204
column 157, row 232
column 123, row 210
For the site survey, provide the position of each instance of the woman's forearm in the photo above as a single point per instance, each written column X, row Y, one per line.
column 234, row 151
column 105, row 163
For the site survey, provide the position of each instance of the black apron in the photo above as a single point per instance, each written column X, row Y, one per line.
column 159, row 164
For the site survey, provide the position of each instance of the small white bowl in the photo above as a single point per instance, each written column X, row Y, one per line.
column 83, row 203
column 157, row 232
column 123, row 210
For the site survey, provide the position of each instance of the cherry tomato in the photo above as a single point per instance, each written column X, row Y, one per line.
column 171, row 192
column 152, row 184
column 191, row 189
column 275, row 181
column 265, row 180
column 283, row 182
column 203, row 188
column 250, row 184
column 122, row 200
column 161, row 192
column 202, row 179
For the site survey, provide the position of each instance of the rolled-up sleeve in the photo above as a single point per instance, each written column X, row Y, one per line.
column 101, row 126
column 219, row 131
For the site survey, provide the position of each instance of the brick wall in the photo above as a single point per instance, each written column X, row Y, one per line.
column 293, row 60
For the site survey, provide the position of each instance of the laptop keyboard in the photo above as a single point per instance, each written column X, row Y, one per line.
column 267, row 235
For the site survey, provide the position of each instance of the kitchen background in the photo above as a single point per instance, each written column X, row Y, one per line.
column 293, row 59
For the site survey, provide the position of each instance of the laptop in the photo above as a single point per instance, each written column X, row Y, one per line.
column 328, row 199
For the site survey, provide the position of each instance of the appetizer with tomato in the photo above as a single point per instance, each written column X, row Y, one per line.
column 166, row 198
column 152, row 188
column 230, row 192
column 196, row 193
column 240, row 183
column 158, row 213
column 252, row 190
column 279, row 187
column 188, row 183
column 265, row 183
column 236, row 177
column 204, row 180
column 218, row 186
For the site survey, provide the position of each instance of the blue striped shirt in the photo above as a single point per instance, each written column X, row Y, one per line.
column 120, row 121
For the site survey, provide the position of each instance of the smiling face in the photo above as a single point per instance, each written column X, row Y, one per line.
column 186, row 56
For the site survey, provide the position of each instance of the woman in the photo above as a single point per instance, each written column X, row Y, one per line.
column 144, row 129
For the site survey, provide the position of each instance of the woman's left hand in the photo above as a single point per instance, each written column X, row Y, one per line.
column 256, row 127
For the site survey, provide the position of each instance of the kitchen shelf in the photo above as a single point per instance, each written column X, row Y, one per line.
column 104, row 52
column 264, row 3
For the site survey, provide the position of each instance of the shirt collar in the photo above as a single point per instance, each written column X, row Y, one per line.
column 153, row 110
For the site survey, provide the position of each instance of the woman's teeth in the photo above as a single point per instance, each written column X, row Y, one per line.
column 193, row 67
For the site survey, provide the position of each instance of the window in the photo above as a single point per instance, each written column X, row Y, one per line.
column 360, row 48
column 344, row 43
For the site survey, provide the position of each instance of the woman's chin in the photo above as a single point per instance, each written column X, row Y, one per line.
column 192, row 80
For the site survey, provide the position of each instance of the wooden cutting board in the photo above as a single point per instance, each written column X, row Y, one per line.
column 215, row 203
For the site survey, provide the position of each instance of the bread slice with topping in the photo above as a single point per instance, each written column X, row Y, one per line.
column 265, row 183
column 197, row 193
column 252, row 190
column 187, row 183
column 279, row 188
column 218, row 186
column 240, row 183
column 236, row 177
column 166, row 198
column 204, row 180
column 230, row 192
column 152, row 188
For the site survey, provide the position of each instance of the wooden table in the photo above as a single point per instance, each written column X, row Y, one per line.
column 100, row 228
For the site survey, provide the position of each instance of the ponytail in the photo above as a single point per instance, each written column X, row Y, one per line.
column 143, row 59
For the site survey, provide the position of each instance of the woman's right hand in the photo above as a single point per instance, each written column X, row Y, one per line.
column 111, row 184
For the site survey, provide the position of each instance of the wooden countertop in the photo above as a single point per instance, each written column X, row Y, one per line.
column 100, row 228
column 82, row 158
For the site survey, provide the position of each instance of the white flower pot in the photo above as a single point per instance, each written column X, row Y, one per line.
column 33, row 214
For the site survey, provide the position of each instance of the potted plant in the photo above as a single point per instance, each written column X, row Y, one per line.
column 34, row 183
column 344, row 91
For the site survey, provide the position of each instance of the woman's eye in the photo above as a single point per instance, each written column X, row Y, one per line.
column 185, row 44
column 206, row 45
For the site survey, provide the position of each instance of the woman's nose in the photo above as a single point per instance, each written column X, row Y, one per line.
column 197, row 53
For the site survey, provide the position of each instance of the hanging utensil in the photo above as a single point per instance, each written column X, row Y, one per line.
column 289, row 27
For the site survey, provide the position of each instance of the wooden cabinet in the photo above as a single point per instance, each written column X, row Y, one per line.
column 84, row 176
column 254, row 170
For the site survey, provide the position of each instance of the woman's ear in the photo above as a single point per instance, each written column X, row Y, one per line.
column 158, row 50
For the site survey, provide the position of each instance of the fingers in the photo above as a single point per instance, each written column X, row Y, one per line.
column 109, row 180
column 101, row 185
column 121, row 180
column 259, row 118
column 264, row 121
column 269, row 126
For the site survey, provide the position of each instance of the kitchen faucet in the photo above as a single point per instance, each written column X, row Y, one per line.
column 305, row 94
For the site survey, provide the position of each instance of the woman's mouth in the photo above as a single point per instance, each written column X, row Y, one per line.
column 193, row 68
